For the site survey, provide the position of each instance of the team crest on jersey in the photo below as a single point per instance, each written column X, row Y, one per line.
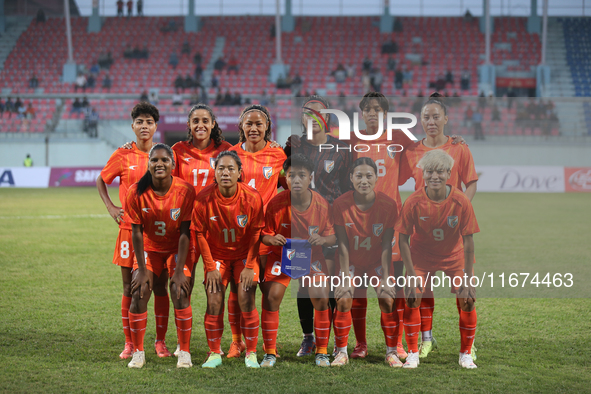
column 379, row 271
column 212, row 163
column 328, row 165
column 393, row 241
column 290, row 253
column 391, row 155
column 316, row 266
column 452, row 221
column 242, row 220
column 175, row 213
column 313, row 230
column 267, row 172
column 377, row 229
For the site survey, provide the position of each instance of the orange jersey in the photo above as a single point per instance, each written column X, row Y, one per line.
column 436, row 228
column 463, row 170
column 316, row 219
column 197, row 166
column 129, row 165
column 365, row 228
column 388, row 162
column 228, row 224
column 261, row 170
column 162, row 216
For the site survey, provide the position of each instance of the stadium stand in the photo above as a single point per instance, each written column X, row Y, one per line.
column 577, row 40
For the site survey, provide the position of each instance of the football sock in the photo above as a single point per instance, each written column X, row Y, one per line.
column 214, row 328
column 234, row 317
column 306, row 314
column 467, row 330
column 389, row 323
column 358, row 314
column 412, row 327
column 161, row 310
column 400, row 305
column 427, row 306
column 251, row 329
column 458, row 306
column 270, row 324
column 322, row 329
column 125, row 302
column 183, row 318
column 342, row 326
column 137, row 326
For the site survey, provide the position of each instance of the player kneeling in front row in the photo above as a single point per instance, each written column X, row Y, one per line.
column 228, row 220
column 297, row 213
column 364, row 223
column 440, row 221
column 160, row 207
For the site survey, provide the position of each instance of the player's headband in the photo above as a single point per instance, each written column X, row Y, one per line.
column 317, row 116
column 316, row 101
column 255, row 109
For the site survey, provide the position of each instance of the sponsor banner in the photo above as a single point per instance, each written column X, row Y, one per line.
column 76, row 176
column 577, row 179
column 506, row 82
column 530, row 179
column 24, row 177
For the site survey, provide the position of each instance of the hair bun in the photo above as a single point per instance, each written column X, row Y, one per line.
column 436, row 95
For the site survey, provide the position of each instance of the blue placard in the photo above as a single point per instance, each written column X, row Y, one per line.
column 295, row 258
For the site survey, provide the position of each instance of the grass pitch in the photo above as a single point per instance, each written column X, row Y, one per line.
column 60, row 325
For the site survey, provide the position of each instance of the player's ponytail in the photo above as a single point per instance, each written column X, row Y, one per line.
column 146, row 179
column 436, row 98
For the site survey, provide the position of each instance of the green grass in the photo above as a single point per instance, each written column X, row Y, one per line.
column 60, row 326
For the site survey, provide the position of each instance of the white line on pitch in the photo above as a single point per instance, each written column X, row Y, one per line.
column 89, row 216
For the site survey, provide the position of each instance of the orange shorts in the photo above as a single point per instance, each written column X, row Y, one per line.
column 124, row 255
column 428, row 269
column 157, row 262
column 317, row 269
column 273, row 270
column 231, row 269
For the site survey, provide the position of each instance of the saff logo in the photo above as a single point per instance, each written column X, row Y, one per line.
column 267, row 172
column 290, row 253
column 328, row 165
column 313, row 230
column 175, row 213
column 242, row 220
column 378, row 229
column 212, row 163
column 452, row 221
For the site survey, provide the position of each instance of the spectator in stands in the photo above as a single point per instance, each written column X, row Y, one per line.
column 273, row 99
column 173, row 60
column 214, row 81
column 28, row 161
column 185, row 48
column 198, row 72
column 233, row 65
column 95, row 69
column 9, row 107
column 177, row 99
column 365, row 81
column 468, row 116
column 219, row 98
column 140, row 7
column 129, row 8
column 237, row 99
column 449, row 77
column 406, row 74
column 228, row 100
column 17, row 105
column 376, row 80
column 194, row 99
column 1, row 107
column 350, row 70
column 154, row 100
column 296, row 82
column 340, row 74
column 128, row 52
column 21, row 109
column 273, row 31
column 367, row 64
column 91, row 81
column 481, row 101
column 85, row 103
column 465, row 80
column 119, row 7
column 41, row 16
column 510, row 97
column 477, row 121
column 107, row 83
column 33, row 82
column 204, row 98
column 496, row 114
column 189, row 82
column 398, row 79
column 105, row 60
column 468, row 16
column 144, row 96
column 219, row 64
column 389, row 47
column 76, row 106
column 179, row 83
column 171, row 26
column 197, row 58
column 145, row 52
column 91, row 123
column 391, row 64
column 264, row 101
column 80, row 83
